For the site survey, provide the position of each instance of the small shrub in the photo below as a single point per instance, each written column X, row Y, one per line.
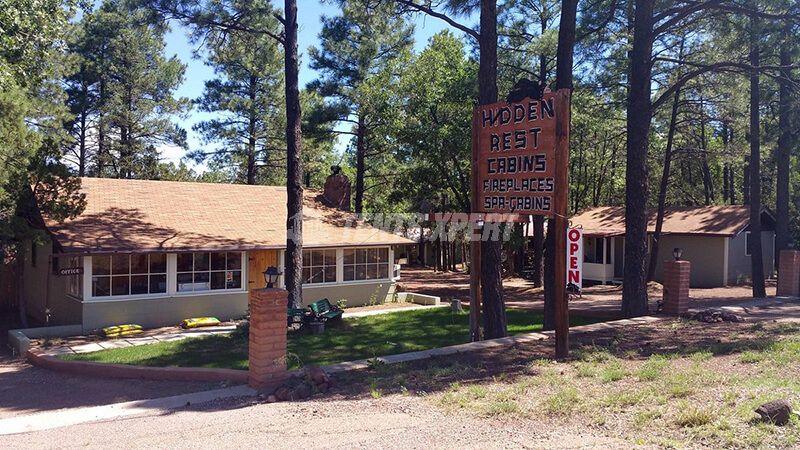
column 642, row 419
column 585, row 370
column 751, row 357
column 694, row 417
column 654, row 368
column 612, row 372
column 562, row 402
column 502, row 408
column 341, row 303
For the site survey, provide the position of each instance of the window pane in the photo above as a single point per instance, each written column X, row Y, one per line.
column 383, row 254
column 383, row 270
column 233, row 279
column 158, row 263
column 317, row 276
column 330, row 274
column 158, row 284
column 101, row 265
column 101, row 286
column 372, row 271
column 120, row 285
column 139, row 284
column 361, row 255
column 306, row 275
column 316, row 257
column 217, row 280
column 184, row 282
column 349, row 256
column 330, row 257
column 218, row 261
column 372, row 255
column 361, row 272
column 120, row 264
column 234, row 260
column 201, row 261
column 184, row 262
column 202, row 280
column 139, row 263
column 349, row 273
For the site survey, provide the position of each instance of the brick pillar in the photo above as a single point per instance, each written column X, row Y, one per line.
column 789, row 274
column 267, row 351
column 676, row 287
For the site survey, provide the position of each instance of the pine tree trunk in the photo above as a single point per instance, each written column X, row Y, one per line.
column 756, row 253
column 746, row 189
column 19, row 272
column 360, row 164
column 662, row 191
column 494, row 309
column 639, row 114
column 783, row 151
column 294, row 168
column 251, row 132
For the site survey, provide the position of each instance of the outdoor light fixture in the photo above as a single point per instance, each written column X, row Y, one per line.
column 677, row 252
column 271, row 276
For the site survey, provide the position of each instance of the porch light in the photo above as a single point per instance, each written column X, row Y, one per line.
column 271, row 276
column 677, row 252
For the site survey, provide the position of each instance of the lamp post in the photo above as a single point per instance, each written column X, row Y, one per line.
column 271, row 276
column 677, row 252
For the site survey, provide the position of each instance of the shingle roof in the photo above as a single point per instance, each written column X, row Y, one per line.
column 128, row 215
column 707, row 220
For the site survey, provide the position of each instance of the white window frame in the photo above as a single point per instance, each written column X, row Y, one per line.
column 172, row 285
column 88, row 268
column 337, row 265
column 242, row 269
column 392, row 276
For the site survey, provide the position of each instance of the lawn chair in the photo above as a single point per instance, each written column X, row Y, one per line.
column 323, row 311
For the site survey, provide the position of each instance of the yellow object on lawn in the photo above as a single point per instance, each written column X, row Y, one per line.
column 197, row 322
column 129, row 329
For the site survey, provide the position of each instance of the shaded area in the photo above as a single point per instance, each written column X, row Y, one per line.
column 352, row 339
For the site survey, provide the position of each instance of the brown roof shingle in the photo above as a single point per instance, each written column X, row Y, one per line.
column 708, row 220
column 128, row 215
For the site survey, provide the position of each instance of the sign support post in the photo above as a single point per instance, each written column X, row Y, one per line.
column 520, row 167
column 475, row 246
column 561, row 222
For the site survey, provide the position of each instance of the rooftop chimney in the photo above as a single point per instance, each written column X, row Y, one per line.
column 337, row 189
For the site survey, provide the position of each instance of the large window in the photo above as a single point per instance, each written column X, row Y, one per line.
column 209, row 271
column 319, row 266
column 129, row 274
column 366, row 263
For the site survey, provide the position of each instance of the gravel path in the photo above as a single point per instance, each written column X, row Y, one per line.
column 395, row 421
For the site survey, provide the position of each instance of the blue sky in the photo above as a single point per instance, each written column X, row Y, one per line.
column 309, row 14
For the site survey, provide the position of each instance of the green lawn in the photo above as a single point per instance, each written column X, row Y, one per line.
column 356, row 338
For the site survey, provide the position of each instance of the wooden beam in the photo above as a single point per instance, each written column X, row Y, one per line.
column 475, row 245
column 561, row 222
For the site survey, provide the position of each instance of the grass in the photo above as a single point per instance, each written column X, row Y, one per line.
column 355, row 338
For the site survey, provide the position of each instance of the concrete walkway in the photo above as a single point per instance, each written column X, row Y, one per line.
column 81, row 346
column 376, row 312
column 74, row 416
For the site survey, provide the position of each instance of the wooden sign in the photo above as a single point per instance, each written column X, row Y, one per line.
column 514, row 154
column 70, row 271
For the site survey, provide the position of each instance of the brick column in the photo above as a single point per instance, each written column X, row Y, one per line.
column 676, row 287
column 789, row 274
column 267, row 351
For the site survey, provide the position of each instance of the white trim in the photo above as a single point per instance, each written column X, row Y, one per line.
column 135, row 298
column 726, row 252
column 339, row 265
column 87, row 278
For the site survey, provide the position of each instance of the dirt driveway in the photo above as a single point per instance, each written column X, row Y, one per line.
column 600, row 300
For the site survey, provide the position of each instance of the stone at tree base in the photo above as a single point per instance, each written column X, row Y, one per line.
column 302, row 391
column 776, row 411
column 283, row 393
column 272, row 399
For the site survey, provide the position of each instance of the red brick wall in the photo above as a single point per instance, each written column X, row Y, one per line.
column 676, row 287
column 789, row 274
column 267, row 352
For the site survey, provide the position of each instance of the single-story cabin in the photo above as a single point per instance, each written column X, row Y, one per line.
column 715, row 239
column 157, row 252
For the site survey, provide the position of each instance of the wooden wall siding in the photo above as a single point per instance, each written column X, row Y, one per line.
column 258, row 261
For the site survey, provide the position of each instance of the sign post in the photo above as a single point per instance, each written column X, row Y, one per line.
column 520, row 159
